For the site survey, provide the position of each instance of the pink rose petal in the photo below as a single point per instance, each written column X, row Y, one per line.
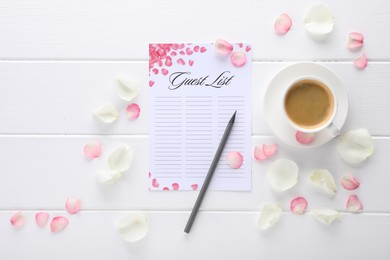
column 240, row 44
column 41, row 218
column 58, row 223
column 349, row 182
column 155, row 71
column 269, row 149
column 189, row 51
column 282, row 24
column 203, row 49
column 354, row 204
column 93, row 149
column 223, row 47
column 168, row 61
column 72, row 205
column 191, row 62
column 164, row 71
column 361, row 61
column 151, row 83
column 259, row 154
column 304, row 138
column 155, row 183
column 196, row 48
column 133, row 111
column 182, row 53
column 298, row 205
column 248, row 48
column 238, row 58
column 175, row 186
column 173, row 54
column 234, row 160
column 165, row 188
column 194, row 186
column 180, row 61
column 18, row 219
column 355, row 41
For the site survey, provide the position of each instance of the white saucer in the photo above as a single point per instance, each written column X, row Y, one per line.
column 273, row 99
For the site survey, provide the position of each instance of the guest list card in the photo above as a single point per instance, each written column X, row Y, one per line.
column 194, row 91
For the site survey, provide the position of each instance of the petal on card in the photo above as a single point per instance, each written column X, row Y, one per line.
column 107, row 113
column 327, row 216
column 259, row 154
column 349, row 182
column 355, row 41
column 108, row 177
column 235, row 160
column 223, row 47
column 282, row 174
column 155, row 183
column 323, row 179
column 93, row 149
column 175, row 186
column 282, row 24
column 269, row 215
column 58, row 223
column 18, row 219
column 41, row 218
column 361, row 61
column 238, row 58
column 120, row 160
column 304, row 138
column 132, row 227
column 356, row 146
column 298, row 205
column 127, row 87
column 194, row 186
column 354, row 204
column 133, row 111
column 72, row 205
column 319, row 21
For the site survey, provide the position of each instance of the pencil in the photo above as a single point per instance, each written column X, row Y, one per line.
column 210, row 173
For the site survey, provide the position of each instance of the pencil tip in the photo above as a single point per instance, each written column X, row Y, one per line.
column 233, row 117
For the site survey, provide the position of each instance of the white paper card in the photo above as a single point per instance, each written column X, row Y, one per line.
column 194, row 92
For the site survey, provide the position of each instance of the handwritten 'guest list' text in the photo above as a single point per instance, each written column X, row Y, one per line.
column 193, row 94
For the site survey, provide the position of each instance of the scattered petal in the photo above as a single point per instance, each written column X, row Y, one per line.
column 165, row 188
column 107, row 113
column 304, row 138
column 356, row 146
column 248, row 48
column 323, row 179
column 238, row 58
column 18, row 219
column 42, row 218
column 223, row 47
column 203, row 49
column 194, row 186
column 355, row 41
column 58, row 223
column 164, row 72
column 282, row 24
column 354, row 204
column 127, row 87
column 175, row 186
column 361, row 61
column 133, row 111
column 132, row 227
column 72, row 205
column 349, row 182
column 155, row 183
column 121, row 158
column 282, row 174
column 93, row 149
column 191, row 62
column 298, row 205
column 269, row 149
column 319, row 21
column 327, row 216
column 181, row 61
column 259, row 154
column 108, row 176
column 270, row 214
column 151, row 83
column 234, row 160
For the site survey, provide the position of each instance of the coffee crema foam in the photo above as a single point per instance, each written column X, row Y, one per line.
column 309, row 103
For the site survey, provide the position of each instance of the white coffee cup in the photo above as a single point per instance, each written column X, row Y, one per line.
column 310, row 105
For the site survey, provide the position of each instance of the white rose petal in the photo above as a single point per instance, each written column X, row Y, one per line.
column 323, row 179
column 132, row 227
column 120, row 159
column 127, row 87
column 282, row 174
column 107, row 113
column 327, row 216
column 356, row 146
column 270, row 214
column 319, row 21
column 108, row 176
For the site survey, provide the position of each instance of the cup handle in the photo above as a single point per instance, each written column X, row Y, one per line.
column 333, row 130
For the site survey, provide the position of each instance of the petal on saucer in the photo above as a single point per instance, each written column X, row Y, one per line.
column 354, row 204
column 304, row 138
column 282, row 24
column 349, row 182
column 234, row 160
column 361, row 61
column 319, row 21
column 132, row 227
column 356, row 146
column 282, row 174
column 323, row 179
column 270, row 214
column 298, row 205
column 327, row 216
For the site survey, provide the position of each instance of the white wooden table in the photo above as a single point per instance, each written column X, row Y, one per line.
column 58, row 62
